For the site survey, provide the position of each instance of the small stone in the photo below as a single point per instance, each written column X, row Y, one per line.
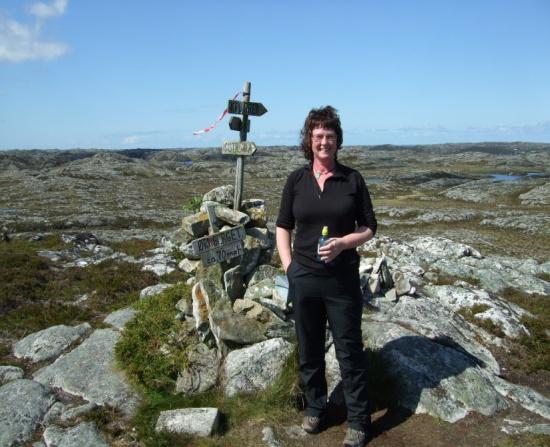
column 269, row 437
column 188, row 266
column 402, row 284
column 222, row 194
column 230, row 216
column 255, row 208
column 185, row 306
column 233, row 281
column 153, row 290
column 374, row 283
column 190, row 421
column 391, row 295
column 196, row 225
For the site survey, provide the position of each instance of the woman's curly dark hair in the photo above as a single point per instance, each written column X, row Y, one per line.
column 326, row 118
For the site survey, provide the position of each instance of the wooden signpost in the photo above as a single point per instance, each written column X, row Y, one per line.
column 244, row 108
column 228, row 244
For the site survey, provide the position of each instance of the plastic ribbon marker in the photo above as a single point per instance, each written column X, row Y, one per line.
column 209, row 128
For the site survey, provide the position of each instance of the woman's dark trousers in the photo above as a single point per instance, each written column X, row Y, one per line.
column 337, row 299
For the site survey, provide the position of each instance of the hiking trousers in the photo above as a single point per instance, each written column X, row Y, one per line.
column 338, row 300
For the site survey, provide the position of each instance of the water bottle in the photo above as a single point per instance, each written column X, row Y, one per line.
column 322, row 240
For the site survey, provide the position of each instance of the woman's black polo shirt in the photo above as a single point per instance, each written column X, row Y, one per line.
column 342, row 206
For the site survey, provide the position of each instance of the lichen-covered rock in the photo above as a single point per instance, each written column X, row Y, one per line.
column 120, row 318
column 256, row 367
column 23, row 404
column 9, row 373
column 233, row 329
column 84, row 434
column 262, row 272
column 262, row 289
column 506, row 316
column 538, row 196
column 201, row 374
column 233, row 281
column 230, row 216
column 222, row 194
column 50, row 342
column 189, row 421
column 154, row 290
column 255, row 208
column 433, row 377
column 89, row 371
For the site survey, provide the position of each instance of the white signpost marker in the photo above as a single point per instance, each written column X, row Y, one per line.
column 220, row 246
column 239, row 148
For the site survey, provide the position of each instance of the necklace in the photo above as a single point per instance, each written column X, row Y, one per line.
column 318, row 174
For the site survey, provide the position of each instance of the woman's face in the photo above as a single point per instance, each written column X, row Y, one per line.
column 323, row 144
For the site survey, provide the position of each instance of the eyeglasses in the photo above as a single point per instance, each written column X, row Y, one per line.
column 319, row 138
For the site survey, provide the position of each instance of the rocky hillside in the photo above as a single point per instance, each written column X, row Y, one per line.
column 107, row 312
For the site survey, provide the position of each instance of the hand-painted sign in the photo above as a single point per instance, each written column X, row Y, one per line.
column 245, row 108
column 220, row 246
column 223, row 253
column 239, row 148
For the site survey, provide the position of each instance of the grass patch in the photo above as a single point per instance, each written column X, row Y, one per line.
column 139, row 350
column 533, row 352
column 544, row 276
column 469, row 314
column 133, row 247
column 525, row 440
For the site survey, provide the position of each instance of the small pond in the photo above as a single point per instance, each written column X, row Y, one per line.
column 513, row 178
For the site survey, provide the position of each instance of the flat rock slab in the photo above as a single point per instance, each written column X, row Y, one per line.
column 191, row 421
column 23, row 404
column 50, row 342
column 85, row 434
column 256, row 367
column 119, row 318
column 89, row 371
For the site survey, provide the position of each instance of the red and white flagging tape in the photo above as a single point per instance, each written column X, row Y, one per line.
column 209, row 128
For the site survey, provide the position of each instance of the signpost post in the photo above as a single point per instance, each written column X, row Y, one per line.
column 241, row 148
column 221, row 246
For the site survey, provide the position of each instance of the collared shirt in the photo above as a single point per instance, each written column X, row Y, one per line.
column 342, row 206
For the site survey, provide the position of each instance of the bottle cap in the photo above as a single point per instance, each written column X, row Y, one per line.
column 325, row 231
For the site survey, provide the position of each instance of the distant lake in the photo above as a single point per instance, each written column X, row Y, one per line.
column 512, row 178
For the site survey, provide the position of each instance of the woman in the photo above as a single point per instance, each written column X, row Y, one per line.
column 325, row 281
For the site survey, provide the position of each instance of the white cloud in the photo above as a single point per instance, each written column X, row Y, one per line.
column 43, row 10
column 132, row 139
column 20, row 41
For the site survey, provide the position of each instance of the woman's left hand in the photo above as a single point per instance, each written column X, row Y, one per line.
column 332, row 248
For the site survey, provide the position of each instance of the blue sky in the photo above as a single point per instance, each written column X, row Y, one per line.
column 136, row 73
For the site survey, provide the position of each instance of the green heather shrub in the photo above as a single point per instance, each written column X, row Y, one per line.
column 36, row 294
column 152, row 348
column 534, row 351
column 193, row 205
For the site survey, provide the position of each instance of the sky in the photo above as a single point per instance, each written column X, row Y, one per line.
column 136, row 73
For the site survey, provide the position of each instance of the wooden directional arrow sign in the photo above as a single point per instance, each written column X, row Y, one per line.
column 239, row 148
column 245, row 108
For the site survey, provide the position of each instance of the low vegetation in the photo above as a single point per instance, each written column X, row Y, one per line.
column 152, row 351
column 37, row 294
